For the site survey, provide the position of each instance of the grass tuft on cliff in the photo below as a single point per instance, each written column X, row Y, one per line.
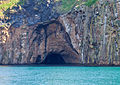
column 67, row 5
column 90, row 2
column 5, row 4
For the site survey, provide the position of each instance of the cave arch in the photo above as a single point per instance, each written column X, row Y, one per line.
column 54, row 58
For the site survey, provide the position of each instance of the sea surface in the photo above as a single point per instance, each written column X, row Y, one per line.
column 59, row 75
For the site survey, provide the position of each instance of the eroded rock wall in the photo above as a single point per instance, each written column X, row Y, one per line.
column 27, row 43
column 95, row 32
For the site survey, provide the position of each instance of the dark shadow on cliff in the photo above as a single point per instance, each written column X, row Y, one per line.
column 31, row 12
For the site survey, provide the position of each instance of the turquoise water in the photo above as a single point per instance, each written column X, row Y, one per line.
column 59, row 75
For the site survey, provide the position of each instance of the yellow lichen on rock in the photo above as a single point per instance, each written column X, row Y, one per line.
column 4, row 34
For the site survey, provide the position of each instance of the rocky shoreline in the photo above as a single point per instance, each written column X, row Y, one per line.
column 59, row 65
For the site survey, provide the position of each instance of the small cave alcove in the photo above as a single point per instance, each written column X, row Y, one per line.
column 54, row 58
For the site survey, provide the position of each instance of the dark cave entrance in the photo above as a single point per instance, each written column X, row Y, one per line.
column 53, row 58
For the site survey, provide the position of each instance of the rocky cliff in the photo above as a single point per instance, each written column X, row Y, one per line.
column 88, row 35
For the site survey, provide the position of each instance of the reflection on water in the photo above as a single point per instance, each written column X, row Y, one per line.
column 59, row 75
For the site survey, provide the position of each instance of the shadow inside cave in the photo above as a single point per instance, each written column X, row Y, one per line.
column 54, row 58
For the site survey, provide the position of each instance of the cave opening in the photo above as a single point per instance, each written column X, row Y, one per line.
column 54, row 58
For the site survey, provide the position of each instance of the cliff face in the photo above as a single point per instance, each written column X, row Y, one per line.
column 90, row 35
column 95, row 32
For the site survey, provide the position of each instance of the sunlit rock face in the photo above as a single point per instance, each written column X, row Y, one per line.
column 90, row 35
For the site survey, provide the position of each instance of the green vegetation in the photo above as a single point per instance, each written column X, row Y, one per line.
column 67, row 5
column 90, row 2
column 4, row 5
